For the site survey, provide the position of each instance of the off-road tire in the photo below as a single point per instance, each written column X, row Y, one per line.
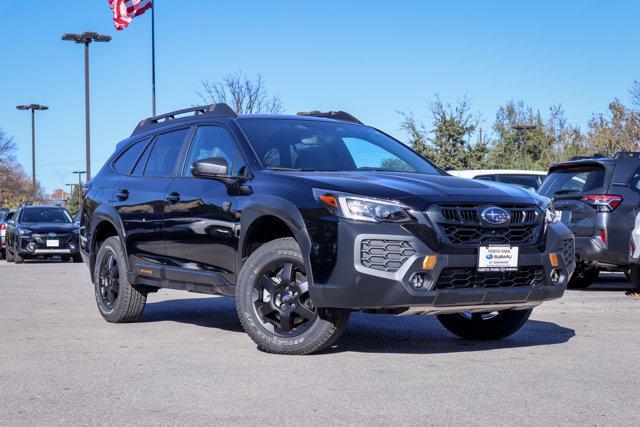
column 324, row 330
column 583, row 278
column 17, row 258
column 77, row 258
column 65, row 258
column 129, row 304
column 474, row 327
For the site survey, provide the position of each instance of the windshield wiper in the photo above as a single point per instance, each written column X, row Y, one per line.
column 278, row 168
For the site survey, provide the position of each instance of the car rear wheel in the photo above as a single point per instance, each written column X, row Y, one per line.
column 485, row 326
column 64, row 258
column 118, row 301
column 272, row 299
column 583, row 278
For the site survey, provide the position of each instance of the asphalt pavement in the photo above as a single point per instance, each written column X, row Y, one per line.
column 187, row 361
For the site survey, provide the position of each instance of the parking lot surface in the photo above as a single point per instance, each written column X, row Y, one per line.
column 187, row 361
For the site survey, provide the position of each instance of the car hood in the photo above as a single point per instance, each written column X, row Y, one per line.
column 49, row 227
column 416, row 190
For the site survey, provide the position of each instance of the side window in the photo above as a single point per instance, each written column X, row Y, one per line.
column 127, row 160
column 164, row 153
column 485, row 177
column 212, row 141
column 142, row 161
column 635, row 180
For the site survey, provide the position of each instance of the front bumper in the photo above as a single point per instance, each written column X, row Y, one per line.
column 353, row 285
column 35, row 246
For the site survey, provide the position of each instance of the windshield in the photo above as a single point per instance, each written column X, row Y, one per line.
column 573, row 180
column 329, row 146
column 35, row 215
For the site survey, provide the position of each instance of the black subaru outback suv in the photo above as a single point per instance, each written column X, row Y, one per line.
column 304, row 219
column 598, row 199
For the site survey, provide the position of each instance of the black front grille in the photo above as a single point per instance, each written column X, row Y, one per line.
column 63, row 239
column 468, row 278
column 568, row 251
column 477, row 235
column 463, row 225
column 385, row 255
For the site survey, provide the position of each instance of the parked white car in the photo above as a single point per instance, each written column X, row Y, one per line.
column 530, row 180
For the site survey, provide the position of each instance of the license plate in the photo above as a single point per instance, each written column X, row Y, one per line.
column 53, row 243
column 498, row 258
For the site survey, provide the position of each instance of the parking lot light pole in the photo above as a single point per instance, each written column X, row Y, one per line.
column 86, row 38
column 79, row 177
column 33, row 108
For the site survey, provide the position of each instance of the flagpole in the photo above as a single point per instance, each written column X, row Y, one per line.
column 153, row 60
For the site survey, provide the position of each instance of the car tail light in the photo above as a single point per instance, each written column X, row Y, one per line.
column 603, row 202
column 3, row 227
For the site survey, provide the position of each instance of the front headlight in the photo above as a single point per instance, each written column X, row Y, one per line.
column 363, row 208
column 550, row 215
column 25, row 232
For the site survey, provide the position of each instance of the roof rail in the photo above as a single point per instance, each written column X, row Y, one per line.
column 216, row 110
column 336, row 115
column 627, row 155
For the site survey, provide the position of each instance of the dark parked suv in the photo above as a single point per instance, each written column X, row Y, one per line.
column 304, row 219
column 42, row 231
column 598, row 198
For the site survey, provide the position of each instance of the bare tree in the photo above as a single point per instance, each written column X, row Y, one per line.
column 15, row 184
column 634, row 93
column 242, row 94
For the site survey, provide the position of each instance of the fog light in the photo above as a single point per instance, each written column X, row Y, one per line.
column 553, row 259
column 31, row 247
column 72, row 246
column 555, row 276
column 417, row 281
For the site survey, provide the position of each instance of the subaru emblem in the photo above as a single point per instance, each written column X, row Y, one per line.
column 52, row 234
column 495, row 215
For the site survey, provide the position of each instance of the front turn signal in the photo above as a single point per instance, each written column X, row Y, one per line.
column 429, row 262
column 553, row 259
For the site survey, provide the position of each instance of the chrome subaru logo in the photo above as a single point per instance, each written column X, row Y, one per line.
column 495, row 215
column 52, row 234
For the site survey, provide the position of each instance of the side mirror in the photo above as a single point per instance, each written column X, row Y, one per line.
column 212, row 167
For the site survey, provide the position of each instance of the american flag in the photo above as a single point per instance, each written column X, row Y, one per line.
column 125, row 10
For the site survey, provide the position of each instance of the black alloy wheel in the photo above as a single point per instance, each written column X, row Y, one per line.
column 109, row 281
column 281, row 299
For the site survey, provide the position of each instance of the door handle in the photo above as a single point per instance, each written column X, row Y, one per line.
column 173, row 198
column 122, row 194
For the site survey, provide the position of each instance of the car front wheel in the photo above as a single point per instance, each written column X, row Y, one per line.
column 118, row 301
column 273, row 303
column 485, row 326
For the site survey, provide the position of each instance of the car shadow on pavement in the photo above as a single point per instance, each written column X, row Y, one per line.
column 368, row 333
column 212, row 312
column 613, row 282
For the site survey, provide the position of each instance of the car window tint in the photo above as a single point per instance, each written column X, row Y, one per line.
column 210, row 141
column 125, row 162
column 528, row 182
column 142, row 161
column 579, row 179
column 164, row 153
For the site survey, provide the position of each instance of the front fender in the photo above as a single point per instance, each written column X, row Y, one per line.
column 101, row 214
column 284, row 210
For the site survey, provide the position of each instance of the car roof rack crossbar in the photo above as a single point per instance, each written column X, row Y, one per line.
column 216, row 110
column 336, row 115
column 627, row 155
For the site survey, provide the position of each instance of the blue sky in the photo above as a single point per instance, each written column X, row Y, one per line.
column 370, row 58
